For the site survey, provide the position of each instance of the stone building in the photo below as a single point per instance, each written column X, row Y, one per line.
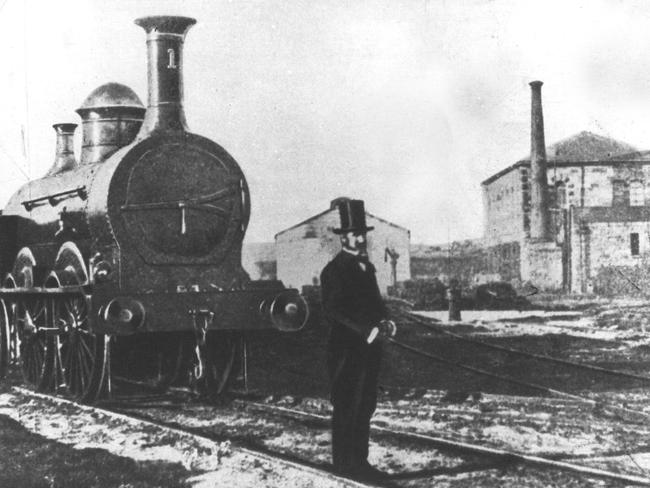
column 302, row 251
column 573, row 216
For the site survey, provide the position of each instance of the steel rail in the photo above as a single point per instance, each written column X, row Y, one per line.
column 473, row 467
column 503, row 454
column 508, row 379
column 427, row 323
column 260, row 453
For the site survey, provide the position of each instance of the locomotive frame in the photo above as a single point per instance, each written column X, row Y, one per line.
column 141, row 238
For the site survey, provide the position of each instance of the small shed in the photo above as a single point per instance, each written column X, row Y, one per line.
column 302, row 251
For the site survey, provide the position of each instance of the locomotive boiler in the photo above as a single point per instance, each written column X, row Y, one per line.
column 138, row 240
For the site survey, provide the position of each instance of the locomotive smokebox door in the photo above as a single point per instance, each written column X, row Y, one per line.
column 183, row 203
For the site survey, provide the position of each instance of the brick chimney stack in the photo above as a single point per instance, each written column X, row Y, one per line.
column 540, row 222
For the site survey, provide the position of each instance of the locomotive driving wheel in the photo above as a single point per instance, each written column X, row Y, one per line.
column 12, row 337
column 4, row 339
column 13, row 347
column 81, row 355
column 34, row 346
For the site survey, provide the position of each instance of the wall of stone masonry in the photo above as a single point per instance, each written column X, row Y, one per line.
column 541, row 265
column 602, row 258
column 590, row 184
column 504, row 210
column 504, row 260
column 589, row 258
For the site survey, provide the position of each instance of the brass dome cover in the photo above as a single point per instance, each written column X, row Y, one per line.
column 111, row 95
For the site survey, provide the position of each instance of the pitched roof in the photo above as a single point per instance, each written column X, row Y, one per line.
column 633, row 156
column 582, row 148
column 317, row 216
column 300, row 224
column 586, row 146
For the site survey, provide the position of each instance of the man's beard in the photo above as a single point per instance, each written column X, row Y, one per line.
column 356, row 249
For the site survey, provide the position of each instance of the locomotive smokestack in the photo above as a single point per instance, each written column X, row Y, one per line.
column 165, row 36
column 540, row 224
column 64, row 159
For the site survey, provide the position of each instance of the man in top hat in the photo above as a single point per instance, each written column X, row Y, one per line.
column 357, row 316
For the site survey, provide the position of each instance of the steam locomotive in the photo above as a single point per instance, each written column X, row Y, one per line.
column 137, row 243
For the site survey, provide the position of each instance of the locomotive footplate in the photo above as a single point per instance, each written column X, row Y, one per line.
column 133, row 313
column 18, row 293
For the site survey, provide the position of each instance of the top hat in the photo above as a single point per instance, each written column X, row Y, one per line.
column 353, row 217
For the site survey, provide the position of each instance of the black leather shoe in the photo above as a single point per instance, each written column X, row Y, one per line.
column 369, row 472
column 347, row 471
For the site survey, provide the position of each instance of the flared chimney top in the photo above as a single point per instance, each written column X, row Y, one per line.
column 64, row 159
column 165, row 37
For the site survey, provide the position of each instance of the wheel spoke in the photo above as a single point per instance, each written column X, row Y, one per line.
column 85, row 346
column 78, row 372
column 86, row 357
column 30, row 317
column 82, row 350
column 5, row 342
column 68, row 357
column 58, row 367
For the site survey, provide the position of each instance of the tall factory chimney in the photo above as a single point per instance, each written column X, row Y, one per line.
column 64, row 159
column 540, row 222
column 165, row 36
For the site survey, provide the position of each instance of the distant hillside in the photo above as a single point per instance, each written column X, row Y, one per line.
column 265, row 251
column 441, row 250
column 462, row 260
column 427, row 260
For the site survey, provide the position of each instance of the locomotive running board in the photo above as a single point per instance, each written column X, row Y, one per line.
column 39, row 291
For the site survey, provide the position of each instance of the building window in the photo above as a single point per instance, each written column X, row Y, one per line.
column 634, row 243
column 637, row 197
column 560, row 195
column 621, row 193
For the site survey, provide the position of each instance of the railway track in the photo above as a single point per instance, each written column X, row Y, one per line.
column 552, row 392
column 312, row 422
column 278, row 460
column 475, row 458
column 435, row 327
column 504, row 456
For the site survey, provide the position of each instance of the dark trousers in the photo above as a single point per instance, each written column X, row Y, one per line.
column 353, row 375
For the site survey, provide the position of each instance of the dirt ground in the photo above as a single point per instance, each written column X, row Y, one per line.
column 30, row 460
column 607, row 335
column 417, row 394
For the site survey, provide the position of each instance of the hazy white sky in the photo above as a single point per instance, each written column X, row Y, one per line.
column 407, row 104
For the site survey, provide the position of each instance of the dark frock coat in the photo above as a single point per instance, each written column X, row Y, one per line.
column 352, row 306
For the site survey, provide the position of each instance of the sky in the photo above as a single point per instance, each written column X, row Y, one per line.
column 406, row 104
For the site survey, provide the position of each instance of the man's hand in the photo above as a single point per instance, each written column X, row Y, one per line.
column 387, row 328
